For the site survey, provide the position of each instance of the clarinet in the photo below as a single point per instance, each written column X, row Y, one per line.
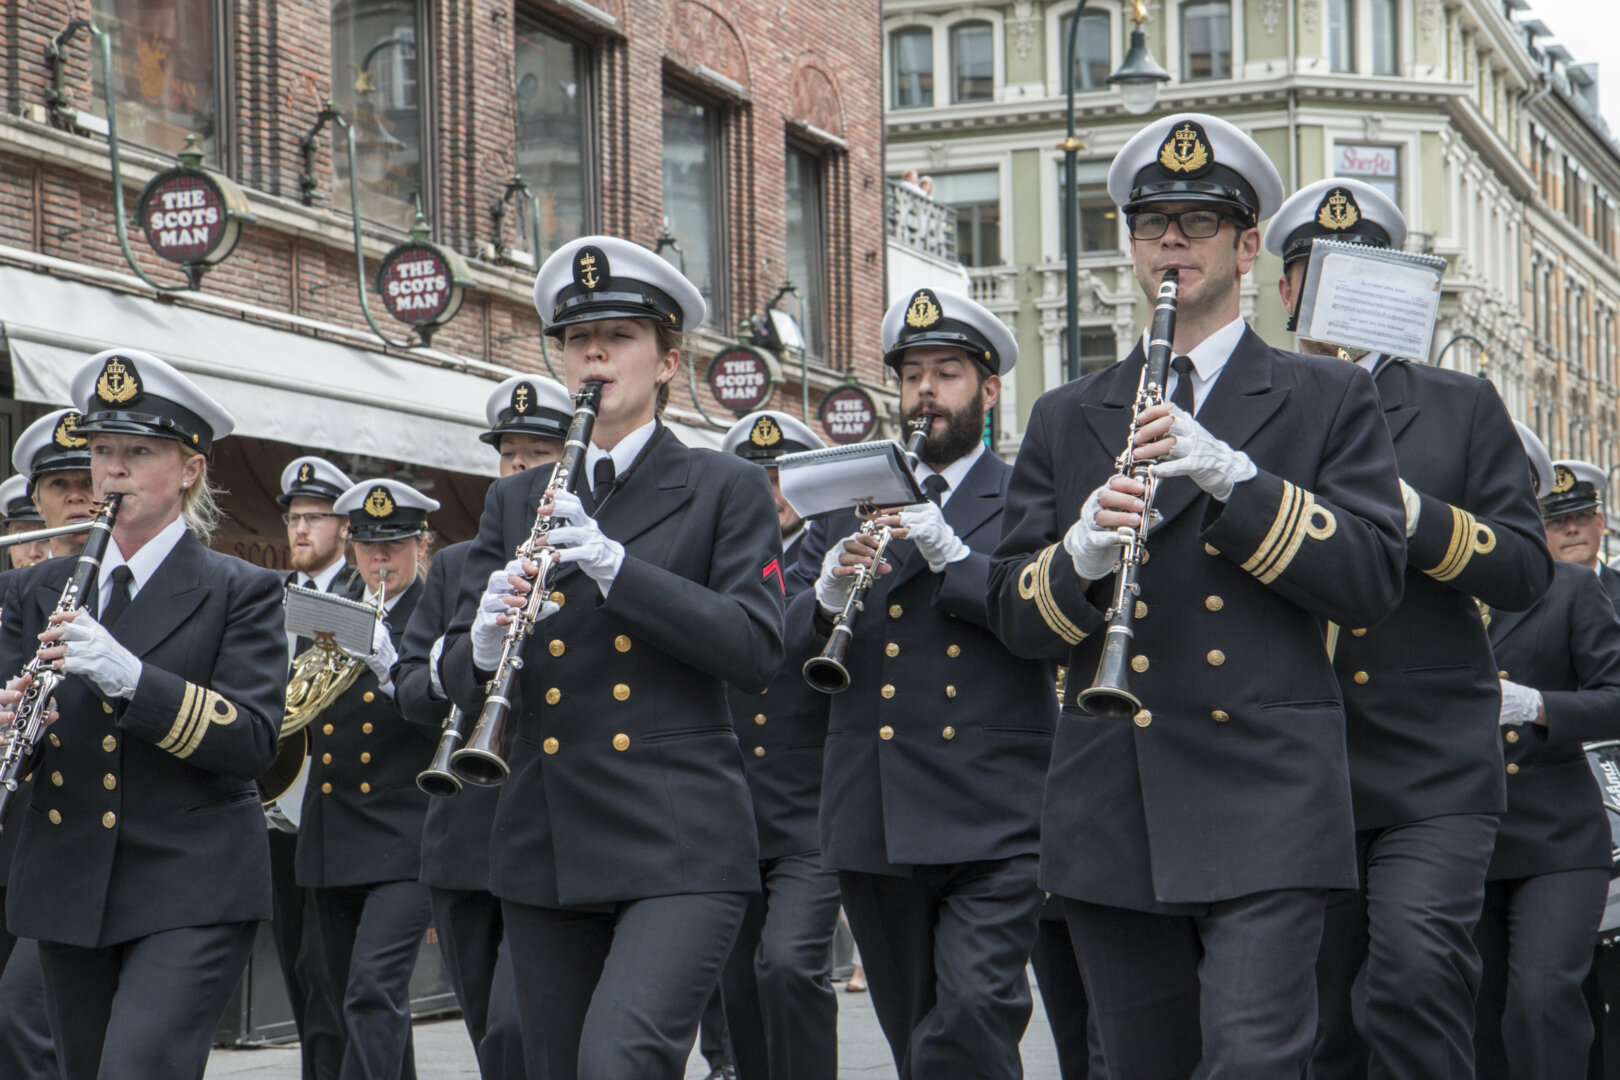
column 28, row 725
column 482, row 762
column 1110, row 692
column 826, row 672
column 439, row 779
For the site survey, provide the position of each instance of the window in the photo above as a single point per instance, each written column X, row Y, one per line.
column 552, row 134
column 1385, row 36
column 973, row 65
column 692, row 195
column 1378, row 166
column 1098, row 348
column 1099, row 216
column 976, row 198
column 1341, row 20
column 913, row 65
column 163, row 72
column 1206, row 40
column 806, row 247
column 378, row 84
column 1093, row 50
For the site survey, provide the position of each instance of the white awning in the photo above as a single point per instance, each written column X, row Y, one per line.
column 279, row 385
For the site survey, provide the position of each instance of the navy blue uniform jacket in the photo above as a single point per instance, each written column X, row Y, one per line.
column 1233, row 780
column 627, row 779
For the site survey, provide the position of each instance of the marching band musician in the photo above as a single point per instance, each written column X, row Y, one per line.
column 1195, row 843
column 936, row 754
column 626, row 842
column 1398, row 968
column 528, row 419
column 142, row 867
column 20, row 516
column 54, row 456
column 360, row 832
column 1549, row 874
column 316, row 539
column 1574, row 519
column 780, row 1006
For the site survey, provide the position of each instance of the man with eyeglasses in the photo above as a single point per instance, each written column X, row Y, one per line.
column 1399, row 969
column 316, row 536
column 1573, row 518
column 1193, row 842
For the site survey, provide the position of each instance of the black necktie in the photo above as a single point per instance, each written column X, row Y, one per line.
column 935, row 487
column 117, row 596
column 602, row 481
column 1183, row 397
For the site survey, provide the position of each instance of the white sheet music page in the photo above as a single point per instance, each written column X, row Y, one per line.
column 1362, row 297
column 348, row 621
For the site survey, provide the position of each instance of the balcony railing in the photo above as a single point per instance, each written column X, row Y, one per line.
column 918, row 222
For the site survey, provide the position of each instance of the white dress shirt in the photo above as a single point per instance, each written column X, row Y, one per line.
column 953, row 473
column 142, row 565
column 1208, row 358
column 624, row 454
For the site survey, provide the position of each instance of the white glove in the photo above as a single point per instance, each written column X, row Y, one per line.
column 832, row 591
column 488, row 636
column 933, row 535
column 1210, row 463
column 1520, row 704
column 433, row 669
column 1094, row 549
column 95, row 654
column 582, row 541
column 1414, row 507
column 381, row 658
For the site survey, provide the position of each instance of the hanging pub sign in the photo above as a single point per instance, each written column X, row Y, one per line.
column 422, row 284
column 742, row 378
column 848, row 414
column 193, row 216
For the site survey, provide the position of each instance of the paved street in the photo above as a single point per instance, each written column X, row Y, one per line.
column 443, row 1052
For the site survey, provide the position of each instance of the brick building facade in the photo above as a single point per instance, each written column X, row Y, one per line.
column 748, row 131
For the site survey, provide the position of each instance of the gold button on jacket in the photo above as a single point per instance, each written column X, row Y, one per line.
column 1143, row 718
column 948, row 733
column 1361, row 678
column 891, row 649
column 759, row 751
column 109, row 819
column 556, row 647
column 621, row 643
column 887, row 690
column 1220, row 716
column 621, row 741
column 553, row 696
column 621, row 691
column 1513, row 770
column 1215, row 657
column 56, row 817
column 759, row 718
column 1510, row 735
column 108, row 743
column 1139, row 663
column 895, row 611
column 549, row 746
column 953, row 651
column 1214, row 603
column 885, row 732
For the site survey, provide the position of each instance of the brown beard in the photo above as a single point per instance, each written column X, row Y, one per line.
column 963, row 428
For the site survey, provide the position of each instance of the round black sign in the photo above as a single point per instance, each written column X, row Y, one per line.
column 848, row 414
column 188, row 218
column 740, row 379
column 418, row 285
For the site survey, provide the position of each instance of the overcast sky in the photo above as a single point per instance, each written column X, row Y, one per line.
column 1590, row 30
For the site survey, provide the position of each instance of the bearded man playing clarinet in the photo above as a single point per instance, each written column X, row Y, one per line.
column 1194, row 828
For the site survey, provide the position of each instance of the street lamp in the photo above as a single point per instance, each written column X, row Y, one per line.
column 1482, row 359
column 1138, row 79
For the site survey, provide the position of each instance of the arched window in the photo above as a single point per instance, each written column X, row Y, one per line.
column 912, row 61
column 1093, row 52
column 973, row 62
column 1206, row 40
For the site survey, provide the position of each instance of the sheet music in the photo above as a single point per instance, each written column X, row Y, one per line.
column 1362, row 297
column 844, row 479
column 350, row 622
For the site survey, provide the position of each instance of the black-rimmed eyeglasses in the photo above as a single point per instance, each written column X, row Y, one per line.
column 311, row 520
column 1194, row 224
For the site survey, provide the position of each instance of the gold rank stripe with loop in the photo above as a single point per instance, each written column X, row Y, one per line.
column 1035, row 583
column 1298, row 515
column 197, row 708
column 1468, row 538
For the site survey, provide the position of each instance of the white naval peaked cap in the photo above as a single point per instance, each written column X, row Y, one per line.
column 944, row 317
column 530, row 405
column 129, row 392
column 1338, row 208
column 1195, row 157
column 1541, row 466
column 53, row 443
column 1577, row 485
column 603, row 277
column 314, row 477
column 15, row 504
column 766, row 435
column 384, row 510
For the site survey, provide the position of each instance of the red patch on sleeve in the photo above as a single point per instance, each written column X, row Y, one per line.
column 774, row 567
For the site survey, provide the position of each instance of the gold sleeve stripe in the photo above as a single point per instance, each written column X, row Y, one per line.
column 1305, row 518
column 214, row 710
column 1035, row 583
column 1281, row 528
column 190, row 707
column 1468, row 538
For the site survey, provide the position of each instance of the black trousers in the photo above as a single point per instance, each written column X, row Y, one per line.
column 780, row 1005
column 1603, row 1005
column 472, row 941
column 371, row 935
column 303, row 964
column 945, row 952
column 1398, row 970
column 1063, row 996
column 1535, row 939
column 616, row 994
column 148, row 1008
column 26, row 1049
